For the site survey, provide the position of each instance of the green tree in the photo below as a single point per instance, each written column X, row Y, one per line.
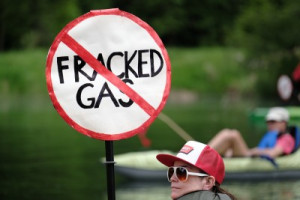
column 35, row 23
column 270, row 31
column 186, row 22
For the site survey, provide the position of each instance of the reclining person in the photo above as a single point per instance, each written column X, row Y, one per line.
column 276, row 142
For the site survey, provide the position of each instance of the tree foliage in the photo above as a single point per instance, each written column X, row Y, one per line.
column 270, row 31
column 267, row 27
column 31, row 23
column 186, row 22
column 261, row 25
column 35, row 23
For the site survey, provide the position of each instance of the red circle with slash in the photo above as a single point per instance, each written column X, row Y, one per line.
column 108, row 74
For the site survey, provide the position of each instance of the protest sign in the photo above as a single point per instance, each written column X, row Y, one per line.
column 108, row 74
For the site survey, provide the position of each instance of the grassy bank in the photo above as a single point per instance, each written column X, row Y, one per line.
column 204, row 70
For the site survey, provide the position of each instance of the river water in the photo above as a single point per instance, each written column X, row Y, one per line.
column 43, row 158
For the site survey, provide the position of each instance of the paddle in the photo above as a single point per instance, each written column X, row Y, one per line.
column 268, row 158
column 182, row 133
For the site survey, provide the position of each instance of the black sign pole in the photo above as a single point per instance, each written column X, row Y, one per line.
column 110, row 170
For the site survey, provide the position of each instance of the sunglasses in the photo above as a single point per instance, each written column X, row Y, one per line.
column 181, row 173
column 271, row 121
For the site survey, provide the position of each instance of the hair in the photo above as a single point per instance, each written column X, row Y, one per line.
column 217, row 189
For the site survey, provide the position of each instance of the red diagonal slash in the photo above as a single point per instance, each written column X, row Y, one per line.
column 103, row 71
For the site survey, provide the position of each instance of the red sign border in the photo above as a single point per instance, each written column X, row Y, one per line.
column 63, row 114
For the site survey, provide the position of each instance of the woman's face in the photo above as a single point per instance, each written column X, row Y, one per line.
column 193, row 183
column 276, row 126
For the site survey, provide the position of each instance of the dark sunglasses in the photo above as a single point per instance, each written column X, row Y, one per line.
column 271, row 121
column 182, row 173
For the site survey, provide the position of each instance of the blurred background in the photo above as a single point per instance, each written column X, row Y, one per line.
column 226, row 58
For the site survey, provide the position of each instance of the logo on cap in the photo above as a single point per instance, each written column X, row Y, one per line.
column 186, row 149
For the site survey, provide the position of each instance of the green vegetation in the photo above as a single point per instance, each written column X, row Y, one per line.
column 42, row 157
column 210, row 70
column 267, row 30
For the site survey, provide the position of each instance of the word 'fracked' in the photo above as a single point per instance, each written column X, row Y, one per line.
column 149, row 63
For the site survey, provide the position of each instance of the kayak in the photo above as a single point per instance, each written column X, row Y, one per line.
column 143, row 166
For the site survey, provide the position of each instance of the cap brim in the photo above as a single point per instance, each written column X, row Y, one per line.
column 272, row 117
column 168, row 159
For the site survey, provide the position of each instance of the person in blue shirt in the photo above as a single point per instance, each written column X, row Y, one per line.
column 276, row 142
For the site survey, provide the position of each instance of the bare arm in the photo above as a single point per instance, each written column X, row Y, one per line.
column 272, row 152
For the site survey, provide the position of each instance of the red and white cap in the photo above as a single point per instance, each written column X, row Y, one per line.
column 199, row 155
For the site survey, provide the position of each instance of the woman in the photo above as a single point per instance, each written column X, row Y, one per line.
column 276, row 142
column 196, row 173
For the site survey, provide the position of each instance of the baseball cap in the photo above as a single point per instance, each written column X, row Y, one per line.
column 200, row 156
column 278, row 114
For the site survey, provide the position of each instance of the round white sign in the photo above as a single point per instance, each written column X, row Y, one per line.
column 285, row 87
column 108, row 74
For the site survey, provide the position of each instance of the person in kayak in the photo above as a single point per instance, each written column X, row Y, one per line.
column 196, row 173
column 276, row 142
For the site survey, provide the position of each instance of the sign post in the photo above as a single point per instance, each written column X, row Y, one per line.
column 110, row 170
column 108, row 75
